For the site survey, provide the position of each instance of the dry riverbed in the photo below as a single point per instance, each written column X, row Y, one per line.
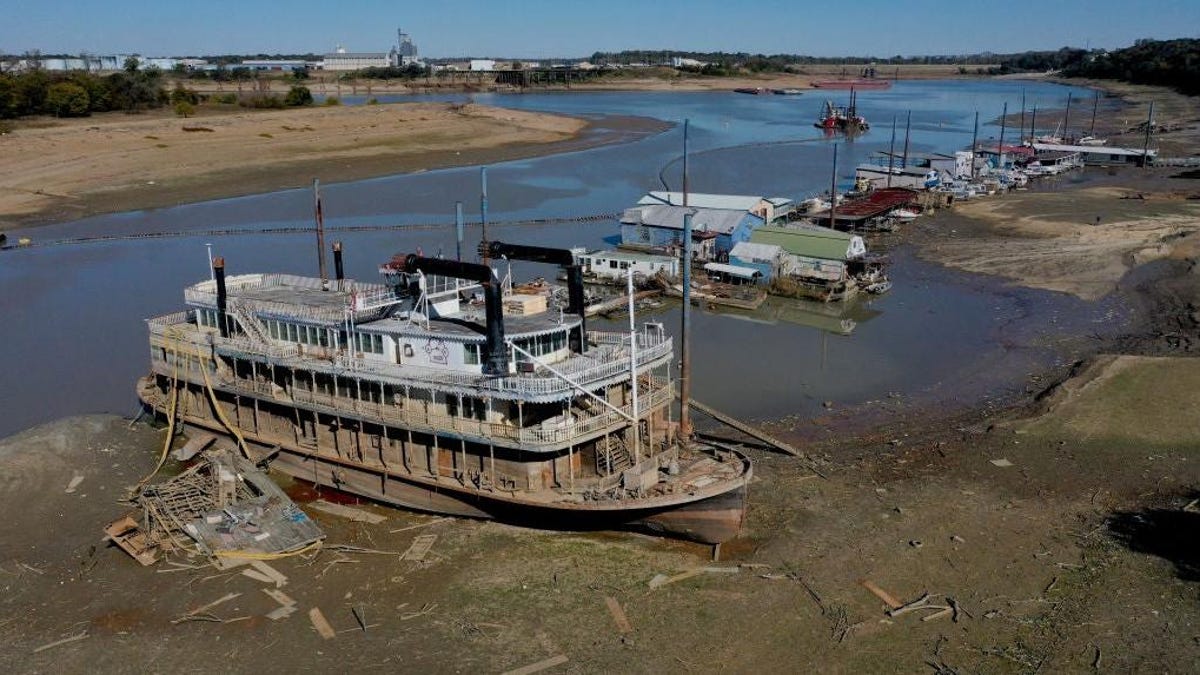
column 67, row 169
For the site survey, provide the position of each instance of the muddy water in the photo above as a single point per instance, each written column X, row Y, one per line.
column 74, row 341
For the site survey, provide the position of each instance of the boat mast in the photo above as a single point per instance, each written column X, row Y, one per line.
column 1022, row 127
column 975, row 143
column 1000, row 145
column 320, row 218
column 1067, row 119
column 633, row 377
column 892, row 152
column 685, row 355
column 458, row 230
column 1146, row 144
column 483, row 208
column 833, row 190
column 1033, row 127
column 907, row 129
column 1095, row 104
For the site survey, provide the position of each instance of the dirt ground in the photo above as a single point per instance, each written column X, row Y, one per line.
column 64, row 169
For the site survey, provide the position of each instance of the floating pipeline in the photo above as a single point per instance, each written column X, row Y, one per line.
column 600, row 217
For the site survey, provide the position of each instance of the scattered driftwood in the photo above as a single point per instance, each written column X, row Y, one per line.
column 57, row 643
column 920, row 603
column 435, row 521
column 419, row 549
column 539, row 666
column 661, row 580
column 945, row 611
column 201, row 613
column 76, row 480
column 425, row 609
column 618, row 615
column 347, row 512
column 321, row 624
column 887, row 598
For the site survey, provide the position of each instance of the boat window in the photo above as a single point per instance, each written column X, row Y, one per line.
column 471, row 354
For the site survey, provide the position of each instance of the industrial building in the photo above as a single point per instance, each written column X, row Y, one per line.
column 403, row 54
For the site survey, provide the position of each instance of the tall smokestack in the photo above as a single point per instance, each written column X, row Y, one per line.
column 458, row 229
column 222, row 300
column 338, row 271
column 483, row 207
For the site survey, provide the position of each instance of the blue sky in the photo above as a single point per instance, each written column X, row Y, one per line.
column 544, row 28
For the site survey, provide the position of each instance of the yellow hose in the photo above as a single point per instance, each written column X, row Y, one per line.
column 171, row 338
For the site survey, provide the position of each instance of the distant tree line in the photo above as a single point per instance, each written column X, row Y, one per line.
column 79, row 93
column 780, row 62
column 410, row 72
column 1168, row 63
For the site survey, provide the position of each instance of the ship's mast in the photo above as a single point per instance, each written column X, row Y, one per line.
column 320, row 217
column 633, row 376
column 685, row 356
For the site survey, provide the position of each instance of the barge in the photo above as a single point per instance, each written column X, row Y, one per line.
column 432, row 391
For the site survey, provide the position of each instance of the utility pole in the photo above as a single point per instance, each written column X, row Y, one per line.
column 1146, row 145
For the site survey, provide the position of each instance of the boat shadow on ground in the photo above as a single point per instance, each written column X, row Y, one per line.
column 1162, row 532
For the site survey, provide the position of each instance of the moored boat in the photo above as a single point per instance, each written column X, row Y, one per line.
column 435, row 390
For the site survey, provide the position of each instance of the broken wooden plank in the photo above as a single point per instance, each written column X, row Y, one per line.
column 920, row 603
column 318, row 621
column 75, row 481
column 887, row 598
column 281, row 612
column 204, row 608
column 747, row 429
column 946, row 611
column 272, row 574
column 347, row 512
column 618, row 615
column 435, row 521
column 52, row 645
column 539, row 666
column 279, row 596
column 419, row 548
column 257, row 576
column 661, row 580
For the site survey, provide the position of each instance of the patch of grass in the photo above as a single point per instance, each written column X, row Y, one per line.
column 152, row 138
column 161, row 145
column 266, row 135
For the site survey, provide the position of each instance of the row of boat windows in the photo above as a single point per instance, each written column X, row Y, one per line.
column 612, row 264
column 540, row 345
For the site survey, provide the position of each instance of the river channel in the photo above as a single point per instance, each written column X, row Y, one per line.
column 74, row 340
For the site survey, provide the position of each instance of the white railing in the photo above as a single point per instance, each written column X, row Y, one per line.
column 606, row 360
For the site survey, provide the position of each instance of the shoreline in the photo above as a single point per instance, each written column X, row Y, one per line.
column 354, row 149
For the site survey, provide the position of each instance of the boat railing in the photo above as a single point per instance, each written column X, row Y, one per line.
column 547, row 435
column 607, row 359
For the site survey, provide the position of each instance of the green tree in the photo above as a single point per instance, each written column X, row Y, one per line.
column 184, row 109
column 298, row 96
column 131, row 64
column 66, row 99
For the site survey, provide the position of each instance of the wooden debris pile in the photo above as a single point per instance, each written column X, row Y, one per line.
column 221, row 507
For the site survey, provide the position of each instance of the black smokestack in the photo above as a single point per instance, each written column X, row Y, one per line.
column 496, row 359
column 575, row 305
column 553, row 256
column 338, row 271
column 222, row 299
